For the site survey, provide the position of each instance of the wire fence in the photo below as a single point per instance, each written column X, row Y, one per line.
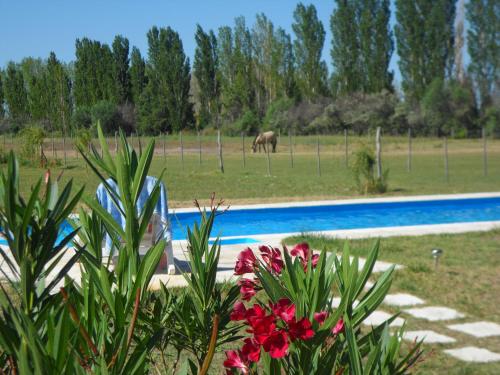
column 199, row 148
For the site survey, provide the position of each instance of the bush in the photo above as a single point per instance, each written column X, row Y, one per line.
column 81, row 118
column 32, row 138
column 249, row 123
column 292, row 325
column 364, row 173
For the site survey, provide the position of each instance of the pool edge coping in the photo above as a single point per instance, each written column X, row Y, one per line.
column 338, row 202
column 396, row 231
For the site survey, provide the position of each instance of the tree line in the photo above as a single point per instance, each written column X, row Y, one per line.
column 244, row 78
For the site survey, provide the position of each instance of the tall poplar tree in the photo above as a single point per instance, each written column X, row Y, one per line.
column 59, row 85
column 94, row 77
column 16, row 96
column 425, row 38
column 2, row 109
column 206, row 71
column 308, row 45
column 483, row 43
column 121, row 74
column 138, row 79
column 362, row 46
column 345, row 51
column 166, row 98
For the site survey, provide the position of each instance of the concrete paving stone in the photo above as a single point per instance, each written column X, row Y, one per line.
column 428, row 336
column 379, row 317
column 434, row 313
column 369, row 284
column 402, row 299
column 336, row 302
column 477, row 329
column 474, row 354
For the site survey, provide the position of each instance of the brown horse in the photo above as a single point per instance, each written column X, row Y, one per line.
column 264, row 139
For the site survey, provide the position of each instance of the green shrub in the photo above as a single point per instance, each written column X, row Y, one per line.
column 364, row 173
column 32, row 138
column 249, row 123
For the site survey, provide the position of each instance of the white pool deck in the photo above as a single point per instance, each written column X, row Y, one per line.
column 229, row 253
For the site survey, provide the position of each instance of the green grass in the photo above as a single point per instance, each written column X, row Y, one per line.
column 251, row 183
column 467, row 280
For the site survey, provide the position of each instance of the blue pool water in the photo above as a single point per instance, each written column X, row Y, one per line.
column 248, row 222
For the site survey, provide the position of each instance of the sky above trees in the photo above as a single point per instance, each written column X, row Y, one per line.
column 34, row 28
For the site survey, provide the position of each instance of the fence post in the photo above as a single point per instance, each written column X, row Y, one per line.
column 243, row 148
column 199, row 148
column 140, row 145
column 182, row 148
column 346, row 148
column 379, row 152
column 219, row 144
column 116, row 142
column 485, row 152
column 53, row 145
column 446, row 158
column 64, row 148
column 290, row 146
column 319, row 157
column 165, row 146
column 268, row 160
column 409, row 150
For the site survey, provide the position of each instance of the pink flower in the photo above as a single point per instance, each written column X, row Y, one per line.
column 239, row 312
column 272, row 257
column 300, row 330
column 251, row 350
column 300, row 250
column 262, row 325
column 276, row 344
column 339, row 327
column 247, row 289
column 303, row 252
column 284, row 309
column 320, row 317
column 234, row 360
column 246, row 262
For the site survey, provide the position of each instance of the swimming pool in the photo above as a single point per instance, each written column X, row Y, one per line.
column 329, row 217
column 245, row 222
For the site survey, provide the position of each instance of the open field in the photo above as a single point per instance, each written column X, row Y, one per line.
column 467, row 280
column 250, row 183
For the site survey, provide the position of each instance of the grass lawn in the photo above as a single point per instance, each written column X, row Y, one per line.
column 252, row 184
column 468, row 280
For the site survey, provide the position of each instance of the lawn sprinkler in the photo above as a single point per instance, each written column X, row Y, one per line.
column 436, row 254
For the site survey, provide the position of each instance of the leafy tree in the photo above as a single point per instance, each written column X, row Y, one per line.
column 59, row 85
column 165, row 102
column 138, row 79
column 2, row 109
column 449, row 107
column 237, row 73
column 206, row 71
column 16, row 96
column 425, row 38
column 121, row 74
column 345, row 49
column 94, row 77
column 308, row 45
column 483, row 44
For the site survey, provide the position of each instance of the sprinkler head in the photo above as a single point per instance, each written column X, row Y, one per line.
column 436, row 254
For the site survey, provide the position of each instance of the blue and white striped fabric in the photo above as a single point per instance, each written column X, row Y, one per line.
column 161, row 209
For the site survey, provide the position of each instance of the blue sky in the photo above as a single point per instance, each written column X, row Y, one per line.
column 34, row 28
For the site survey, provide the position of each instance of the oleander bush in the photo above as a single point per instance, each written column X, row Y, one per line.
column 276, row 318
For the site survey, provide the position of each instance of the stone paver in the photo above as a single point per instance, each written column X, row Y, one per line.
column 478, row 329
column 336, row 302
column 369, row 284
column 378, row 317
column 429, row 337
column 402, row 299
column 434, row 313
column 474, row 354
